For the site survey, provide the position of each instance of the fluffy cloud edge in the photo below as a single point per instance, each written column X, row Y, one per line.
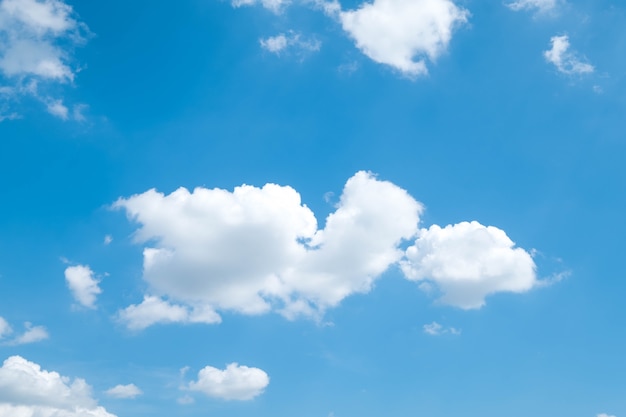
column 30, row 390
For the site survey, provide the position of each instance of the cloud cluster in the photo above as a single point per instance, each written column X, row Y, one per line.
column 36, row 42
column 236, row 382
column 27, row 390
column 566, row 61
column 83, row 285
column 257, row 250
column 402, row 33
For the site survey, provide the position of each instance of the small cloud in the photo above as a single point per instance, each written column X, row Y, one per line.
column 236, row 382
column 154, row 310
column 58, row 109
column 274, row 44
column 108, row 239
column 540, row 6
column 275, row 6
column 83, row 285
column 290, row 41
column 604, row 415
column 401, row 33
column 436, row 329
column 566, row 61
column 32, row 334
column 124, row 391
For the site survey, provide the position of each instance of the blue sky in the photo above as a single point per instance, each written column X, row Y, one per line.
column 312, row 208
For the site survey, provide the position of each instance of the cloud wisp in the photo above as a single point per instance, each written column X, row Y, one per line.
column 290, row 42
column 564, row 59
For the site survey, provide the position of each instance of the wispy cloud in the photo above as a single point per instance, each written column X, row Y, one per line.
column 564, row 59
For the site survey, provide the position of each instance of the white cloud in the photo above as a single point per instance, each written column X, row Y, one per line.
column 292, row 40
column 436, row 329
column 108, row 239
column 154, row 310
column 124, row 391
column 276, row 6
column 233, row 383
column 541, row 6
column 274, row 44
column 32, row 334
column 401, row 33
column 566, row 62
column 58, row 109
column 5, row 328
column 469, row 261
column 37, row 39
column 255, row 250
column 258, row 250
column 83, row 285
column 604, row 415
column 28, row 391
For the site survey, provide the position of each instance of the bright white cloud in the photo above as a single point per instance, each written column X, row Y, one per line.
column 236, row 382
column 292, row 40
column 566, row 61
column 154, row 310
column 36, row 42
column 124, row 391
column 28, row 391
column 436, row 329
column 469, row 261
column 402, row 33
column 5, row 328
column 541, row 6
column 276, row 6
column 83, row 285
column 254, row 250
column 257, row 250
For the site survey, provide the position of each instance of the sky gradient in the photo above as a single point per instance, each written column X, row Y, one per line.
column 312, row 208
